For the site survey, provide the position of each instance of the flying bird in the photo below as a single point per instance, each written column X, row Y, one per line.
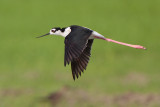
column 78, row 43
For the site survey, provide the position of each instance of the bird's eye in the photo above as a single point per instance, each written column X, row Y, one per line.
column 53, row 31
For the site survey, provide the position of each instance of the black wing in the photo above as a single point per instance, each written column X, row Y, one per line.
column 77, row 49
column 79, row 64
column 75, row 43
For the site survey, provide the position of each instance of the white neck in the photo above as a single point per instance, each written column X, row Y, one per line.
column 66, row 32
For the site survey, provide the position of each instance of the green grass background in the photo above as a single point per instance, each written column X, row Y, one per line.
column 35, row 67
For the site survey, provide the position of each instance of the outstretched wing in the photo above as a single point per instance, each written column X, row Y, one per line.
column 80, row 63
column 75, row 43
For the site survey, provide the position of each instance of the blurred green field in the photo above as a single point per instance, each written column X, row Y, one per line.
column 32, row 68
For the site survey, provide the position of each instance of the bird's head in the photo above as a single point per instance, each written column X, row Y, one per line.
column 58, row 31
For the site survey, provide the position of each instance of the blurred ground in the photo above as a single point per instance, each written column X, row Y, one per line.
column 72, row 97
column 31, row 68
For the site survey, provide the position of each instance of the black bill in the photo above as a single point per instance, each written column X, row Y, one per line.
column 43, row 35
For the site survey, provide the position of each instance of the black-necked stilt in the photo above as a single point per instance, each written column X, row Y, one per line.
column 78, row 42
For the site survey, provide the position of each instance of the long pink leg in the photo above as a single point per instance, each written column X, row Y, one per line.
column 126, row 44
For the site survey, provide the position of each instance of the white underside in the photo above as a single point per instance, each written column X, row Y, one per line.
column 96, row 35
